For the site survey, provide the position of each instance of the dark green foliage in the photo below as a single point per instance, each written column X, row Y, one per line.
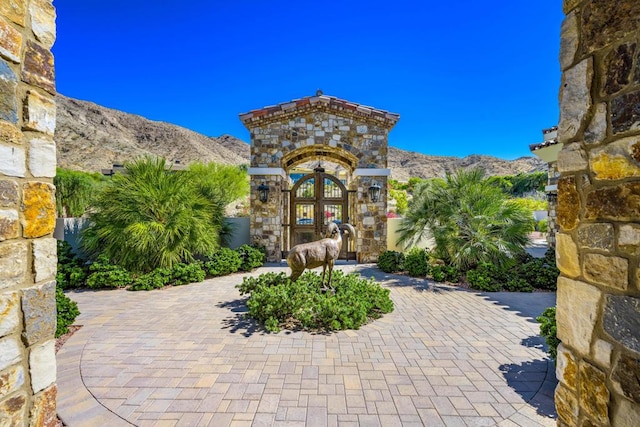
column 549, row 330
column 444, row 273
column 66, row 310
column 187, row 273
column 158, row 278
column 74, row 191
column 222, row 262
column 72, row 272
column 520, row 184
column 541, row 273
column 518, row 284
column 485, row 277
column 278, row 303
column 251, row 257
column 104, row 274
column 391, row 261
column 151, row 217
column 416, row 262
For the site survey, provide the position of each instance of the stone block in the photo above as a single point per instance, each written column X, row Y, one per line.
column 577, row 313
column 8, row 94
column 13, row 263
column 626, row 414
column 618, row 66
column 42, row 365
column 605, row 270
column 45, row 259
column 12, row 161
column 594, row 394
column 621, row 320
column 625, row 112
column 629, row 238
column 40, row 113
column 38, row 68
column 43, row 21
column 568, row 203
column 618, row 160
column 39, row 312
column 9, row 133
column 42, row 158
column 566, row 406
column 567, row 256
column 43, row 411
column 572, row 158
column 603, row 22
column 10, row 352
column 568, row 41
column 13, row 10
column 575, row 99
column 596, row 236
column 597, row 129
column 39, row 209
column 13, row 410
column 567, row 368
column 620, row 202
column 10, row 41
column 9, row 195
column 9, row 313
column 11, row 380
column 9, row 224
column 626, row 377
column 602, row 353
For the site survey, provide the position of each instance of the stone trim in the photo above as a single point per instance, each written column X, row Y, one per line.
column 371, row 172
column 267, row 171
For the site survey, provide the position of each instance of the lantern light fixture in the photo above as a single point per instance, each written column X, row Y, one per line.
column 263, row 192
column 374, row 192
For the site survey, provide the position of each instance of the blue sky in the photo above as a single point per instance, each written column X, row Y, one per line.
column 466, row 77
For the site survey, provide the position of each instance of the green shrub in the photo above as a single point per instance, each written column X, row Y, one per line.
column 518, row 284
column 222, row 262
column 444, row 273
column 484, row 278
column 543, row 225
column 549, row 330
column 107, row 275
column 71, row 270
column 187, row 273
column 391, row 261
column 158, row 278
column 278, row 303
column 416, row 262
column 67, row 311
column 251, row 257
column 541, row 273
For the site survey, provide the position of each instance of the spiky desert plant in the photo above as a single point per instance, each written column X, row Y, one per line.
column 470, row 220
column 150, row 217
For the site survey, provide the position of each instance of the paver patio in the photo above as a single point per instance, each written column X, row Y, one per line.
column 185, row 356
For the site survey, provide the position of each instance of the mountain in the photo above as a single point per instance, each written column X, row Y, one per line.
column 90, row 137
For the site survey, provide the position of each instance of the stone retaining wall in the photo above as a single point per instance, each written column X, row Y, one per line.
column 598, row 247
column 27, row 214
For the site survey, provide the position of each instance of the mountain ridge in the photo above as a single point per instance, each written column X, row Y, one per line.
column 91, row 137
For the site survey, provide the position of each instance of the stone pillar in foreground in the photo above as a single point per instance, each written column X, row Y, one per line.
column 27, row 214
column 598, row 248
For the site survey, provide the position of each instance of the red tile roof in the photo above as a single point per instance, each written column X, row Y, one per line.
column 320, row 101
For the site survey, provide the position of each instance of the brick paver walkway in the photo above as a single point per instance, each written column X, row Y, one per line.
column 184, row 356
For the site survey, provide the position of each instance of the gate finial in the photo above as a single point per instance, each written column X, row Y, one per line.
column 319, row 92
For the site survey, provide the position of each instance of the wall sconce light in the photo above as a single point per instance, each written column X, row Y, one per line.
column 263, row 191
column 374, row 192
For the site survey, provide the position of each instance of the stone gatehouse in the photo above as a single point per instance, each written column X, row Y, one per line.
column 324, row 130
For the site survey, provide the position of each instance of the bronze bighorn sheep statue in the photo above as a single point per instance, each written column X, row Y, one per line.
column 322, row 252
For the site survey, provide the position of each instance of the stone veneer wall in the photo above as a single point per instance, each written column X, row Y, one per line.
column 552, row 198
column 598, row 248
column 27, row 214
column 315, row 129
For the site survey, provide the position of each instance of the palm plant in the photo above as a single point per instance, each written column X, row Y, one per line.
column 152, row 217
column 470, row 220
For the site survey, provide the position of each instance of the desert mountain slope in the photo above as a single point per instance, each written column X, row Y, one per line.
column 90, row 137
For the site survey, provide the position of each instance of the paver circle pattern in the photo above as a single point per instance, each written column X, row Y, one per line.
column 185, row 356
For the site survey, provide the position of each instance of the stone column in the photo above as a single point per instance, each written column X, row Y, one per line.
column 266, row 227
column 27, row 214
column 370, row 218
column 598, row 248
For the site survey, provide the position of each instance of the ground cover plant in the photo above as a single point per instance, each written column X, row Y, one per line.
column 549, row 330
column 278, row 303
column 71, row 274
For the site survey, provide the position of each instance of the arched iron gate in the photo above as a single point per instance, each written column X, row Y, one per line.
column 316, row 200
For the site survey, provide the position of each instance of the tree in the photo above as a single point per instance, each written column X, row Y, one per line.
column 470, row 220
column 225, row 182
column 74, row 191
column 151, row 216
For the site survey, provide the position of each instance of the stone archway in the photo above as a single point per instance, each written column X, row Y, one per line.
column 319, row 128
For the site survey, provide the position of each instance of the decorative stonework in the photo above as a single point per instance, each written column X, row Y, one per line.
column 598, row 311
column 8, row 94
column 39, row 209
column 38, row 67
column 318, row 128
